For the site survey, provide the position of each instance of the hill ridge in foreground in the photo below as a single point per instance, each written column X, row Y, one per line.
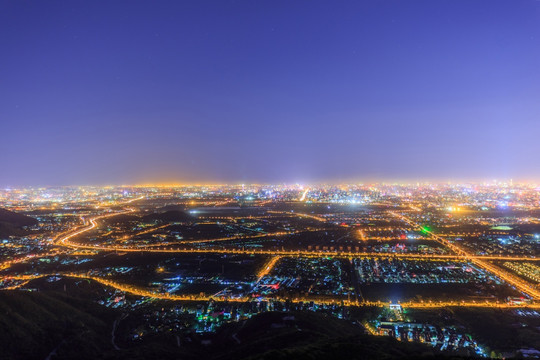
column 34, row 325
column 11, row 223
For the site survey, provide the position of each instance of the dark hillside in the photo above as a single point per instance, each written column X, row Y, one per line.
column 12, row 223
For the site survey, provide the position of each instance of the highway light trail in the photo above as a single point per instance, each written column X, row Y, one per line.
column 134, row 290
column 67, row 240
column 518, row 283
column 304, row 194
column 267, row 268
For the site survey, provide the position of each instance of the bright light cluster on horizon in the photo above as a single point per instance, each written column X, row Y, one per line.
column 456, row 198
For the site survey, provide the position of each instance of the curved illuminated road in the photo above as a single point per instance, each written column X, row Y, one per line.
column 480, row 261
column 66, row 240
column 134, row 290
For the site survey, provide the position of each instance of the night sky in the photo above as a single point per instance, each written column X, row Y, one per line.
column 116, row 92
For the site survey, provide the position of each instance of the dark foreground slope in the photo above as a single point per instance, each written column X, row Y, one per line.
column 11, row 223
column 308, row 335
column 35, row 325
column 32, row 325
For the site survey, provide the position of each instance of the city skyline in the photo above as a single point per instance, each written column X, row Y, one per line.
column 232, row 92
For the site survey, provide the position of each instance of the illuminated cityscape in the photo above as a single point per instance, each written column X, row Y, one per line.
column 388, row 257
column 269, row 180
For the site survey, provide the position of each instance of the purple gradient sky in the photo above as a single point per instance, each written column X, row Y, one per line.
column 101, row 92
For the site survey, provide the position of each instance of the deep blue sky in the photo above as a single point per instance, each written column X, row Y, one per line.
column 99, row 92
